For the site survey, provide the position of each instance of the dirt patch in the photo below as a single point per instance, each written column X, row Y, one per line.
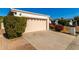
column 19, row 44
column 14, row 44
column 26, row 47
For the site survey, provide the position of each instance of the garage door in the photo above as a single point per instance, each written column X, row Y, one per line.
column 35, row 25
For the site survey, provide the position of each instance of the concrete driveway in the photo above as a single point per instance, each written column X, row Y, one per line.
column 49, row 40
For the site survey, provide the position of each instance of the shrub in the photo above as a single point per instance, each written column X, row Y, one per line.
column 59, row 27
column 52, row 26
column 14, row 26
column 76, row 19
column 64, row 22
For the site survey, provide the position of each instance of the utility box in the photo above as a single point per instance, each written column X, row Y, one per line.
column 72, row 30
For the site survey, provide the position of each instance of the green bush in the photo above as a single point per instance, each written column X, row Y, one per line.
column 76, row 19
column 14, row 26
column 63, row 22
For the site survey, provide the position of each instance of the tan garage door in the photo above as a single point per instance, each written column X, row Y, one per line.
column 35, row 25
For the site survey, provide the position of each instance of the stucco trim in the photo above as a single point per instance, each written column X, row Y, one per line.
column 15, row 10
column 35, row 18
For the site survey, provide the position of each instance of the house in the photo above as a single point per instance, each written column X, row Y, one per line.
column 35, row 21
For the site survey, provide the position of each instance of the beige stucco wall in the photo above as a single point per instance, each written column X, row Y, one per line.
column 2, row 26
column 47, row 24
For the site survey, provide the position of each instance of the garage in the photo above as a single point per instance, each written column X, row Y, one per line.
column 35, row 21
column 35, row 25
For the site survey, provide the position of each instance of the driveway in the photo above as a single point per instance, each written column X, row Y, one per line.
column 49, row 40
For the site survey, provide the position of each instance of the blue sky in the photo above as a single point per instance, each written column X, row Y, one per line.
column 53, row 12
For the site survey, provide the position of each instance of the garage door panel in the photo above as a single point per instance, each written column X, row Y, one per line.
column 35, row 25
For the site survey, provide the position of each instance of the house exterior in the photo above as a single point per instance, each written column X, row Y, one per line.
column 35, row 21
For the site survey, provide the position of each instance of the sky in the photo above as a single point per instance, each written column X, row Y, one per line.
column 52, row 12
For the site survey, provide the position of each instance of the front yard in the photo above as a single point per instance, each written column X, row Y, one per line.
column 42, row 40
column 14, row 44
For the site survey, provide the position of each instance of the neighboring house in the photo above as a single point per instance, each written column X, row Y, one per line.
column 35, row 22
column 71, row 23
column 56, row 22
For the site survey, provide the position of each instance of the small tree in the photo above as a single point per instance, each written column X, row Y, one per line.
column 14, row 26
column 76, row 19
column 63, row 22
